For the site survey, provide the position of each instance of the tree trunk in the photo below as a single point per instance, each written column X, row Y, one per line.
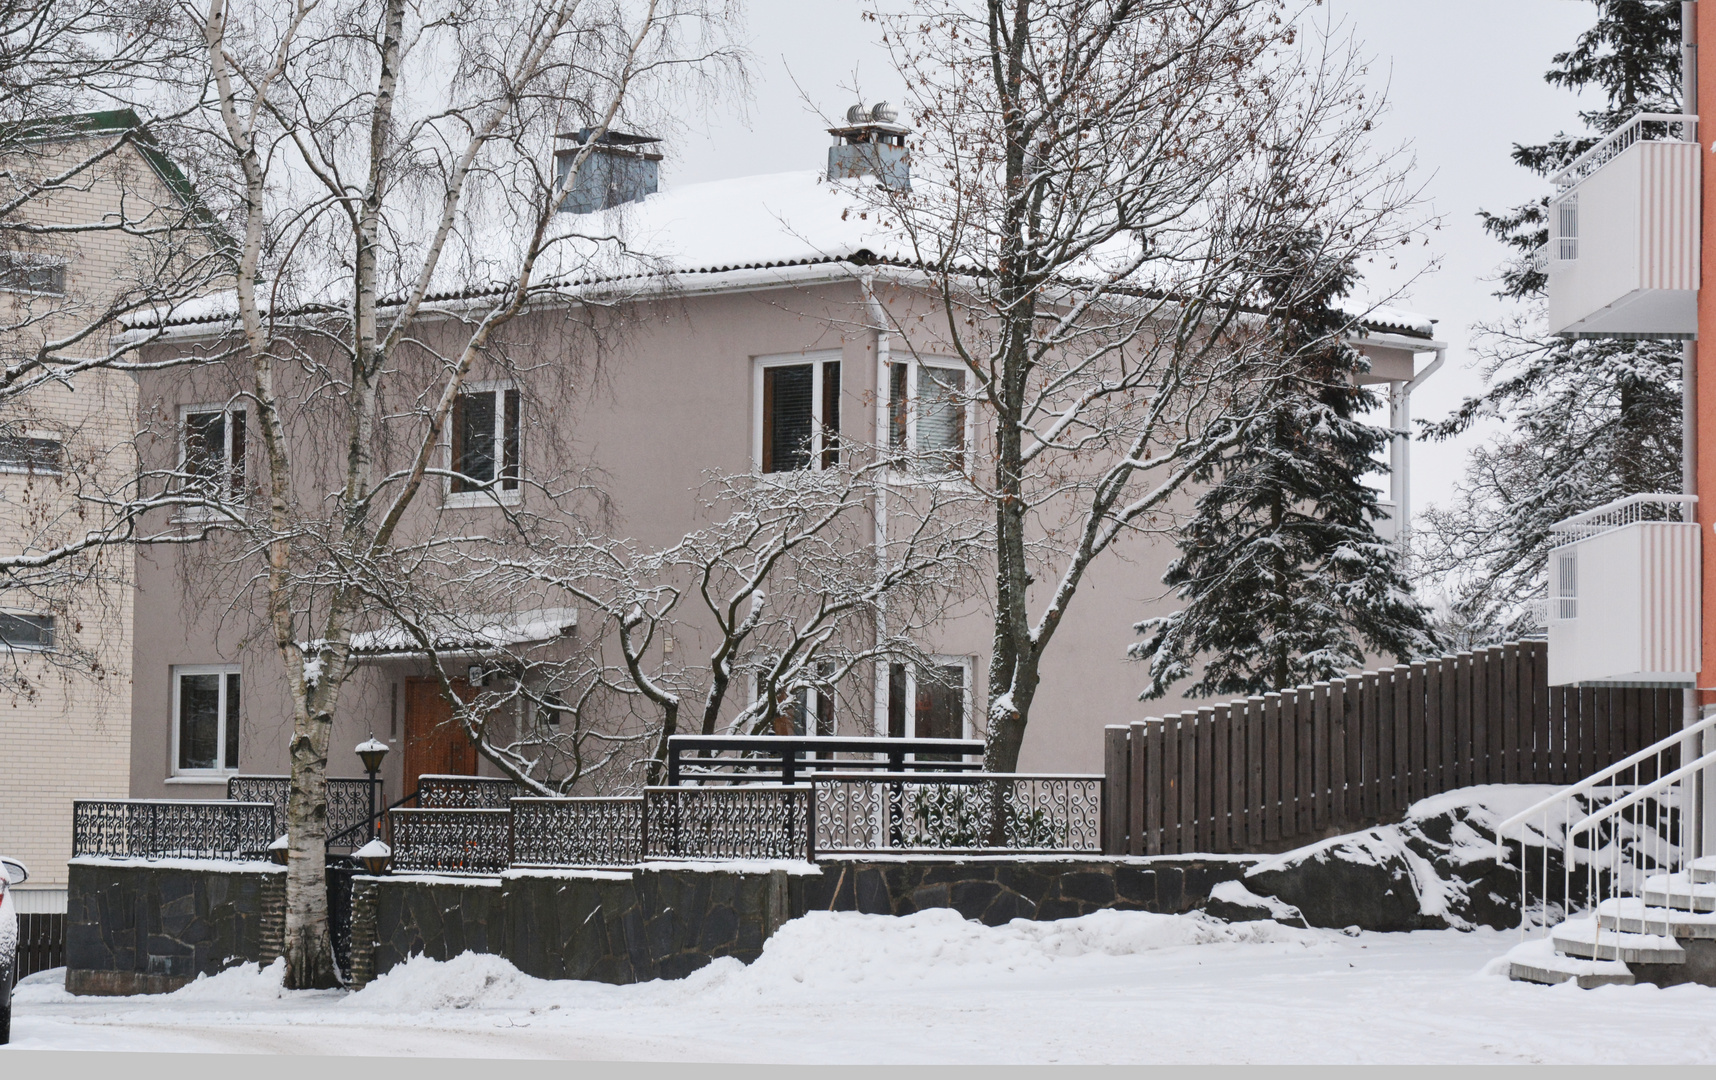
column 309, row 946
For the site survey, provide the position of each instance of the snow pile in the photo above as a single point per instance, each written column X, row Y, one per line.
column 468, row 981
column 243, row 982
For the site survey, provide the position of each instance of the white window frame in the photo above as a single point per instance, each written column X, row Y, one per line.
column 914, row 365
column 223, row 670
column 968, row 725
column 231, row 506
column 813, row 699
column 493, row 492
column 817, row 429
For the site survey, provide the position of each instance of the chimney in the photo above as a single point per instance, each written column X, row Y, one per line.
column 871, row 143
column 621, row 169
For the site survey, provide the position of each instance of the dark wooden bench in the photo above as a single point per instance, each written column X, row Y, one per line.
column 782, row 758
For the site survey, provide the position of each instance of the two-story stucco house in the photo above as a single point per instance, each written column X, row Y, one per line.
column 765, row 324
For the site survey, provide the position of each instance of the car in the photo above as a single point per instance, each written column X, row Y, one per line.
column 12, row 873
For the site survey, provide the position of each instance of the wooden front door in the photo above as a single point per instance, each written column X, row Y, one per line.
column 434, row 741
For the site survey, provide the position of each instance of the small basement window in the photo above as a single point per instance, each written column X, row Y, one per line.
column 40, row 274
column 30, row 633
column 23, row 454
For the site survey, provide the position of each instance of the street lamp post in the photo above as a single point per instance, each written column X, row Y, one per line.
column 371, row 751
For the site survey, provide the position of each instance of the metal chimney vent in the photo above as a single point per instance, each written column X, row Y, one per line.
column 621, row 169
column 871, row 143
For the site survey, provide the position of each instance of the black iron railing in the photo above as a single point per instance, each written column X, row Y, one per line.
column 752, row 821
column 967, row 813
column 788, row 759
column 186, row 829
column 447, row 792
column 348, row 799
column 577, row 832
column 450, row 841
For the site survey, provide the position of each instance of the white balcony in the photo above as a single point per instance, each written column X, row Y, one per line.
column 1623, row 244
column 1624, row 594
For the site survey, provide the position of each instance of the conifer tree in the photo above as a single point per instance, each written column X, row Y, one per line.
column 1284, row 577
column 1583, row 421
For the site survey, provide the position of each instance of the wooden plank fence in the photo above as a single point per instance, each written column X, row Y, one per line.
column 1272, row 772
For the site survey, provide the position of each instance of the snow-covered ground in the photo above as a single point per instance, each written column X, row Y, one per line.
column 1110, row 987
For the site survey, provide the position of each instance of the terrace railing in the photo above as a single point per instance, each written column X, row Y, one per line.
column 788, row 759
column 348, row 799
column 181, row 829
column 475, row 841
column 964, row 813
column 437, row 791
column 577, row 831
column 752, row 821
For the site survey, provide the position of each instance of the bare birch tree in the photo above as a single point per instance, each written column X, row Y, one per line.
column 1088, row 198
column 397, row 211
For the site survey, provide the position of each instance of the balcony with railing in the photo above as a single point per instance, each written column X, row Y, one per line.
column 1623, row 251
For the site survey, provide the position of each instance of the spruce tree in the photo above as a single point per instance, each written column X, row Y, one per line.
column 1583, row 421
column 1282, row 573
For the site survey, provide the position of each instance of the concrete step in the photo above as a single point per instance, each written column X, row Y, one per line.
column 1582, row 938
column 1703, row 870
column 1680, row 892
column 1634, row 916
column 1538, row 962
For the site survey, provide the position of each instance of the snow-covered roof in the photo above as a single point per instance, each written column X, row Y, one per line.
column 750, row 223
column 469, row 633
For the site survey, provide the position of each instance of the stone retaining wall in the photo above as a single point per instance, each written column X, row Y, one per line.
column 135, row 927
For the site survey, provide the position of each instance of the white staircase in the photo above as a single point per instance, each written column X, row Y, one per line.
column 1654, row 913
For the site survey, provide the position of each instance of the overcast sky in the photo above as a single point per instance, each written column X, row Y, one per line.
column 1464, row 79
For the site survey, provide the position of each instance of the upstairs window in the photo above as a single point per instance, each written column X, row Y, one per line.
column 211, row 453
column 30, row 633
column 808, row 711
column 32, row 274
column 798, row 406
column 206, row 704
column 927, row 416
column 485, row 444
column 23, row 454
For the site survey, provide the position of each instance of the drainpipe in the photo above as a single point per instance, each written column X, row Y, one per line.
column 879, row 324
column 1400, row 419
column 1705, row 806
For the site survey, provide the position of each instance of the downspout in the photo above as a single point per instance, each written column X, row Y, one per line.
column 1704, row 805
column 879, row 324
column 1403, row 433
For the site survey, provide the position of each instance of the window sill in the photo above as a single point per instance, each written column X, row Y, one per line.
column 193, row 515
column 16, row 470
column 476, row 500
column 211, row 778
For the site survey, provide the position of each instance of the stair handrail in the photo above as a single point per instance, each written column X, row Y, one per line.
column 1639, row 795
column 1664, row 849
column 1609, row 773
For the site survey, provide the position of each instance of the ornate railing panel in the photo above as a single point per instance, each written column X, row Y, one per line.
column 442, row 792
column 754, row 821
column 577, row 831
column 348, row 798
column 450, row 841
column 970, row 812
column 172, row 829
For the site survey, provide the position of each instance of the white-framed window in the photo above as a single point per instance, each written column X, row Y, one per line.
column 212, row 454
column 1567, row 585
column 26, row 632
column 31, row 455
column 928, row 418
column 809, row 710
column 206, row 710
column 933, row 701
column 42, row 275
column 485, row 445
column 797, row 409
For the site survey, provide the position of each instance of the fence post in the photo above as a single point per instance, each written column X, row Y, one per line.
column 1254, row 771
column 1510, row 714
column 1135, row 812
column 1115, row 775
column 1205, row 742
column 1221, row 791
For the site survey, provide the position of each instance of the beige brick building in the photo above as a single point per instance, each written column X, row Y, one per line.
column 66, row 445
